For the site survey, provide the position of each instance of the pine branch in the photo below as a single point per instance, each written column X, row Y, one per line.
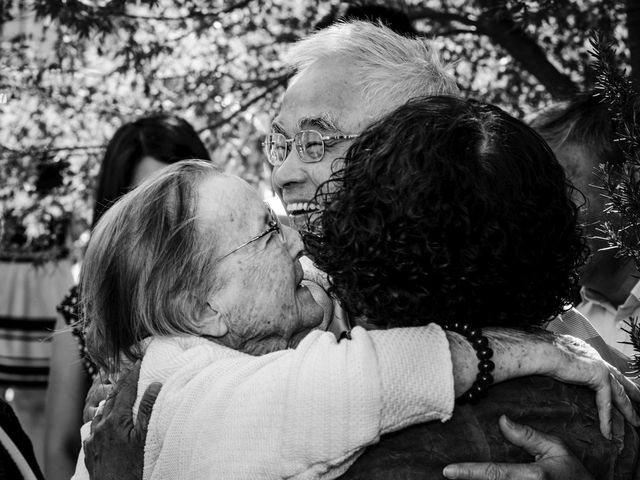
column 615, row 88
column 621, row 181
column 634, row 334
column 621, row 178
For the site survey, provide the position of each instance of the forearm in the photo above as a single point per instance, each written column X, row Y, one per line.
column 515, row 354
column 317, row 403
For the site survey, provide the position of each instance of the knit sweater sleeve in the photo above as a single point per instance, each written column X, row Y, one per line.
column 303, row 413
column 416, row 375
column 338, row 409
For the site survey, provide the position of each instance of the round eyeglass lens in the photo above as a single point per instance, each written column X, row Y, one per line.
column 312, row 145
column 276, row 146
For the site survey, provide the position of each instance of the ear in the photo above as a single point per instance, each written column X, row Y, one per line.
column 213, row 323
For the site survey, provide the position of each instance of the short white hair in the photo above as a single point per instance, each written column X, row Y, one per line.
column 388, row 66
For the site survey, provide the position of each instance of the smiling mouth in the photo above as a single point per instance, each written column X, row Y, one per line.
column 302, row 208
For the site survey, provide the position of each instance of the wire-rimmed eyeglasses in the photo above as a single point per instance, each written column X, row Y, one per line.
column 309, row 145
column 273, row 225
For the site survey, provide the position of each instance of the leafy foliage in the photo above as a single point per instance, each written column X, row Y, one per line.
column 218, row 64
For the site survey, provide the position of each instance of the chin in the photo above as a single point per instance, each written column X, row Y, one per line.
column 299, row 222
column 265, row 346
column 297, row 337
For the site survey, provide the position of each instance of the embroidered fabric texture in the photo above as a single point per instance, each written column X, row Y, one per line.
column 69, row 308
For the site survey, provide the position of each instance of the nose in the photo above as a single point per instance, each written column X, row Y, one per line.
column 294, row 241
column 290, row 171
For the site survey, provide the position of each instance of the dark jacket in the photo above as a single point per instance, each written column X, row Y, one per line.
column 11, row 426
column 473, row 435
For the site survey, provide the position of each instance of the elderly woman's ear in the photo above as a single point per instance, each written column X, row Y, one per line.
column 212, row 323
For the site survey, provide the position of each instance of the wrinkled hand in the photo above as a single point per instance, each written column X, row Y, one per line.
column 115, row 448
column 98, row 392
column 581, row 364
column 553, row 460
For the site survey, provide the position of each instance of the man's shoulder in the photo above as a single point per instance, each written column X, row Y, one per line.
column 566, row 411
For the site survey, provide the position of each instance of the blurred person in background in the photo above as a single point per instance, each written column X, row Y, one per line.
column 137, row 150
column 35, row 273
column 581, row 134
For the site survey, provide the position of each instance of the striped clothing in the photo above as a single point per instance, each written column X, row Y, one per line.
column 28, row 298
column 574, row 323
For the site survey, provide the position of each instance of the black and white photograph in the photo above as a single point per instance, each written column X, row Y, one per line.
column 319, row 239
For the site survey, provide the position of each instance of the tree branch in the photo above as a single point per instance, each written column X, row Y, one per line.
column 280, row 81
column 497, row 23
column 82, row 147
column 12, row 150
column 447, row 32
column 441, row 16
column 633, row 39
column 46, row 149
column 192, row 15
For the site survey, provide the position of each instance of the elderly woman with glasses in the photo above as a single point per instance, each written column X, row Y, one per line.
column 192, row 273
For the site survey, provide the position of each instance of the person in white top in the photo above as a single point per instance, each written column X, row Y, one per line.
column 192, row 272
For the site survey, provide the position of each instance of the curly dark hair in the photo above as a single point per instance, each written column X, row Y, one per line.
column 449, row 210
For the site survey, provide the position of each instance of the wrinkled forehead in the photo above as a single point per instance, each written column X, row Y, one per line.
column 327, row 92
column 229, row 205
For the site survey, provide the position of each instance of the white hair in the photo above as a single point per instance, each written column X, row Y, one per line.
column 388, row 66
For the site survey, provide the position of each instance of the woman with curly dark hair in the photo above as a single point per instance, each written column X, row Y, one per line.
column 450, row 209
column 454, row 212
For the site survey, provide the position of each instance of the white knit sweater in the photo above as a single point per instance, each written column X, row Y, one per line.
column 303, row 413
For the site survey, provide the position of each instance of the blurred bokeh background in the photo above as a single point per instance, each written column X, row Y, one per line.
column 73, row 71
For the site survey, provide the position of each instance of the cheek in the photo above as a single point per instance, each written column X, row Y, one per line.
column 311, row 312
column 270, row 296
column 320, row 172
column 261, row 302
column 332, row 162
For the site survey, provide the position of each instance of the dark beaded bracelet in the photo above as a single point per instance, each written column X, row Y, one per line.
column 480, row 344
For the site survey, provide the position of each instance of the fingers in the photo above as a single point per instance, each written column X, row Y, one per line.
column 97, row 393
column 536, row 443
column 604, row 405
column 493, row 471
column 88, row 414
column 88, row 455
column 106, row 405
column 146, row 407
column 126, row 390
column 622, row 401
column 631, row 389
column 95, row 420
